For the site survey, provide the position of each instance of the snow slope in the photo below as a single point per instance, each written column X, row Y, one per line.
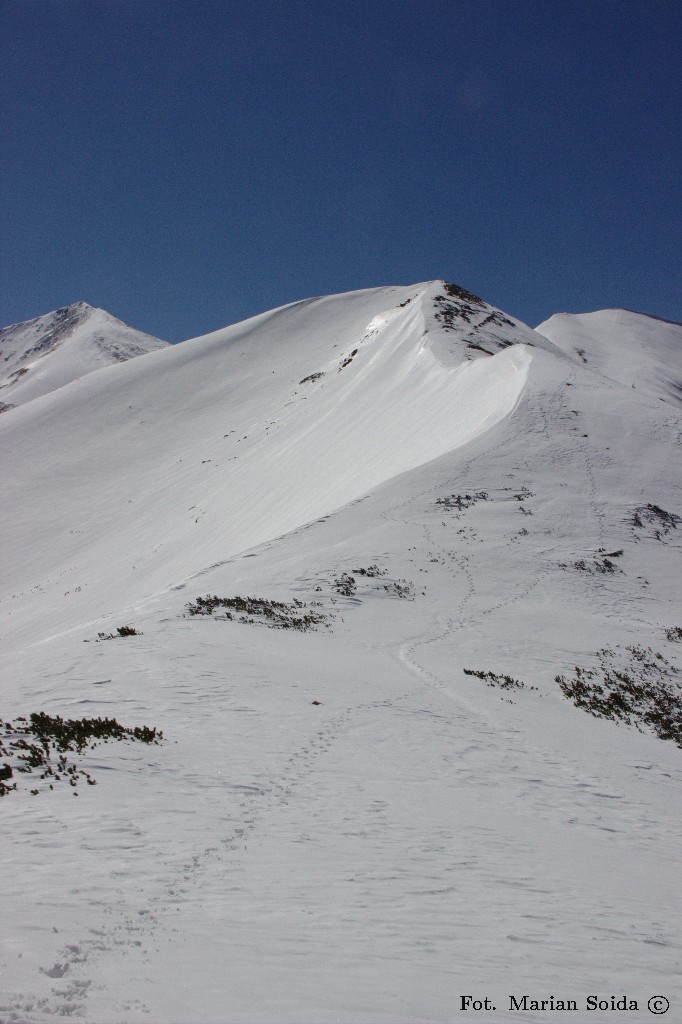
column 343, row 825
column 632, row 348
column 41, row 355
column 208, row 448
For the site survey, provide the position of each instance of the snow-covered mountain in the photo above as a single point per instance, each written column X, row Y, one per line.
column 41, row 355
column 639, row 351
column 466, row 534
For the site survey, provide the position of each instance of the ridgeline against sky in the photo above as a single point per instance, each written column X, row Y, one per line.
column 354, row 630
column 188, row 165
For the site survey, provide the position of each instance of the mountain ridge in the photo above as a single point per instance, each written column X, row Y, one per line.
column 396, row 582
column 257, row 416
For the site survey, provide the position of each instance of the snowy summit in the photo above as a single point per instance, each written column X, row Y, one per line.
column 354, row 630
column 81, row 338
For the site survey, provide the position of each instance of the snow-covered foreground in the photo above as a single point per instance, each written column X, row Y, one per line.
column 342, row 824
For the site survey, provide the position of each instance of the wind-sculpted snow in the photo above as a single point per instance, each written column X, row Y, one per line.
column 464, row 782
column 212, row 447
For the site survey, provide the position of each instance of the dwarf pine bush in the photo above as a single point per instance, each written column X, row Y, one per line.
column 276, row 614
column 40, row 744
column 632, row 685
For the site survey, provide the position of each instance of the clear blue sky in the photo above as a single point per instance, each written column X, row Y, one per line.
column 187, row 164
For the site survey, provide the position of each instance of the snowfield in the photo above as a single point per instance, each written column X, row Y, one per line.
column 368, row 819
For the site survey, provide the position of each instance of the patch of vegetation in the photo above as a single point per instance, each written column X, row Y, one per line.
column 462, row 501
column 39, row 745
column 120, row 631
column 603, row 566
column 345, row 585
column 631, row 685
column 400, row 588
column 502, row 681
column 656, row 519
column 275, row 614
column 311, row 378
column 674, row 634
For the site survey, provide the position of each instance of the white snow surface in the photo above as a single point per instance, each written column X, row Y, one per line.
column 41, row 355
column 417, row 835
column 632, row 348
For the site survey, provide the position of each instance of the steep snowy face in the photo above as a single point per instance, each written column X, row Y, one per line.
column 41, row 355
column 639, row 351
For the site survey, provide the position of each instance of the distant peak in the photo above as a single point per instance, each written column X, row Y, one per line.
column 611, row 311
column 74, row 308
